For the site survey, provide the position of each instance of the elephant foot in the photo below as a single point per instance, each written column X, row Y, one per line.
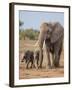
column 36, row 68
column 48, row 67
column 53, row 67
column 56, row 64
column 31, row 67
column 26, row 67
column 22, row 61
column 39, row 67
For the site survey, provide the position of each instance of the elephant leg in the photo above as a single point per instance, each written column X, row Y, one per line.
column 27, row 64
column 22, row 59
column 36, row 63
column 32, row 64
column 58, row 51
column 48, row 56
column 40, row 58
column 56, row 60
column 52, row 60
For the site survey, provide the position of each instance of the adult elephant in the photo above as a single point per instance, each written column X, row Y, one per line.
column 52, row 34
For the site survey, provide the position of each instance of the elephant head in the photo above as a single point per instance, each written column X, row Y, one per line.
column 51, row 31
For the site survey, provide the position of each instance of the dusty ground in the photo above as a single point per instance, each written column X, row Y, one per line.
column 40, row 73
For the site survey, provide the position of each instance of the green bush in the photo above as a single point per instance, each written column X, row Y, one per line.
column 29, row 33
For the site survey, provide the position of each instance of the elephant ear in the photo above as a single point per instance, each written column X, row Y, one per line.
column 57, row 32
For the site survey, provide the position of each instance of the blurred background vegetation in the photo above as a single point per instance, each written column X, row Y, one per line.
column 29, row 33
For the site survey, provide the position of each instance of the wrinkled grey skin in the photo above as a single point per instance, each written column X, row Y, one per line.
column 52, row 34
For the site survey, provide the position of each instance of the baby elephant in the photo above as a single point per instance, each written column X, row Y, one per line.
column 28, row 58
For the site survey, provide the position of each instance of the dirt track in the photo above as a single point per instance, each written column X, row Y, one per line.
column 40, row 73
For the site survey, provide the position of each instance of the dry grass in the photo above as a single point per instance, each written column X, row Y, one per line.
column 40, row 73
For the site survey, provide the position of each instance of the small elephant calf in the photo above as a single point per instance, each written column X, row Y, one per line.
column 28, row 58
column 31, row 57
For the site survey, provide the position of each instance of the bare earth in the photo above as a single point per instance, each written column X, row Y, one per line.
column 40, row 73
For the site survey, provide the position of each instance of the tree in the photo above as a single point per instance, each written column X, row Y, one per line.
column 20, row 23
column 29, row 33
